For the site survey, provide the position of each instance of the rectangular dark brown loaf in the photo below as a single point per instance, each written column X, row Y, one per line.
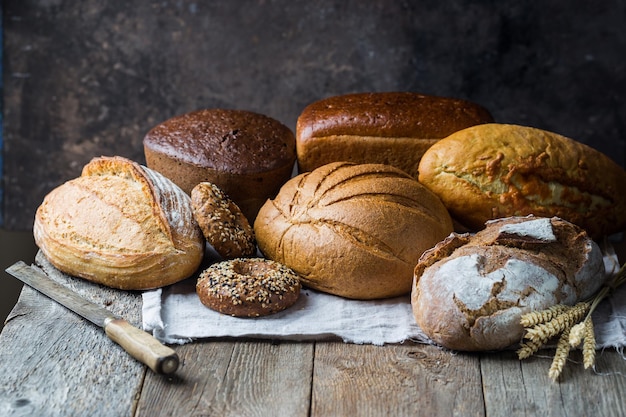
column 394, row 128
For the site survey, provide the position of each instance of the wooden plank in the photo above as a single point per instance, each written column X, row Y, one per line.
column 233, row 378
column 14, row 246
column 585, row 393
column 55, row 363
column 523, row 388
column 394, row 380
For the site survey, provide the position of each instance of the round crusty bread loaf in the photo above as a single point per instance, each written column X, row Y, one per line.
column 499, row 170
column 121, row 225
column 393, row 128
column 247, row 155
column 470, row 291
column 355, row 231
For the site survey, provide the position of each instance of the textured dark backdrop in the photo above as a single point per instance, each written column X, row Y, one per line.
column 89, row 78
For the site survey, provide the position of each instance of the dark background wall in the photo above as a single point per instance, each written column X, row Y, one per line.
column 89, row 78
column 84, row 78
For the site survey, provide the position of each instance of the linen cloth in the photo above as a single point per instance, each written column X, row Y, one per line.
column 175, row 315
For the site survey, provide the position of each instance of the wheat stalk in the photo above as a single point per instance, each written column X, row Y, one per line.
column 537, row 317
column 527, row 349
column 573, row 325
column 563, row 321
column 589, row 348
column 560, row 356
column 577, row 334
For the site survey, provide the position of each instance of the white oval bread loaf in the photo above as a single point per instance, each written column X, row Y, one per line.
column 120, row 224
column 355, row 231
column 470, row 291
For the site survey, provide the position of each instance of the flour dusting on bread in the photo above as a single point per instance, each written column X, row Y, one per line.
column 471, row 295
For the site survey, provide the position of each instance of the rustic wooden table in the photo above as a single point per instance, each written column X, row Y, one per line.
column 53, row 363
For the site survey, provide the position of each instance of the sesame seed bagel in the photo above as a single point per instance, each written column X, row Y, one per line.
column 223, row 224
column 248, row 287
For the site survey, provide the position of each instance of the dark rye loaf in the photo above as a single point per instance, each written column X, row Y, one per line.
column 246, row 154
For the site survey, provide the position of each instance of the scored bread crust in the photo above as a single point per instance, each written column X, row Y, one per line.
column 394, row 128
column 120, row 224
column 501, row 170
column 355, row 231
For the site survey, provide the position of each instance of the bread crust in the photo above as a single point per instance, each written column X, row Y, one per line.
column 502, row 170
column 222, row 223
column 394, row 128
column 121, row 225
column 226, row 140
column 355, row 231
column 248, row 287
column 248, row 155
column 470, row 291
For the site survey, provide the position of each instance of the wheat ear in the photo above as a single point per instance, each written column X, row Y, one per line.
column 560, row 356
column 589, row 347
column 564, row 320
column 537, row 317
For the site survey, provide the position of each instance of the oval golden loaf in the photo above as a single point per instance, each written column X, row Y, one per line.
column 121, row 225
column 355, row 231
column 498, row 170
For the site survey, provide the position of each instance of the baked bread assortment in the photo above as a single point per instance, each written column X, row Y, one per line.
column 471, row 290
column 353, row 230
column 384, row 178
column 222, row 223
column 394, row 128
column 246, row 154
column 248, row 287
column 120, row 224
column 501, row 170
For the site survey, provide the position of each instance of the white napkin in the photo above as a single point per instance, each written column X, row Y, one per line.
column 175, row 315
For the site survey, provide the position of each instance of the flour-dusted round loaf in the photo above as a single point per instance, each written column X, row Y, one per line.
column 470, row 291
column 393, row 128
column 246, row 154
column 120, row 224
column 355, row 231
column 499, row 170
